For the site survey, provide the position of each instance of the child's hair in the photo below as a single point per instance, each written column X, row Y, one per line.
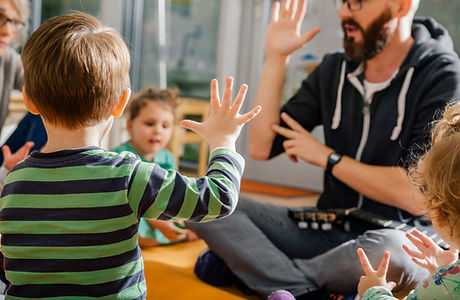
column 139, row 100
column 75, row 70
column 437, row 172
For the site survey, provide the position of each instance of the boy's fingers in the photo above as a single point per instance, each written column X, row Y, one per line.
column 250, row 115
column 284, row 9
column 383, row 267
column 290, row 8
column 240, row 98
column 275, row 12
column 214, row 101
column 192, row 125
column 367, row 268
column 227, row 96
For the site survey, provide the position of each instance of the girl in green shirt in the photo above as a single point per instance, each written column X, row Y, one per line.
column 150, row 124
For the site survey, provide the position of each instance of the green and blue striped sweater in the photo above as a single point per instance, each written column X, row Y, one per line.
column 69, row 219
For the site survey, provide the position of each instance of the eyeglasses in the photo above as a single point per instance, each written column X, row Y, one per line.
column 18, row 25
column 353, row 5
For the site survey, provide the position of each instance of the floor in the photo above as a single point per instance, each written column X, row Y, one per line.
column 297, row 201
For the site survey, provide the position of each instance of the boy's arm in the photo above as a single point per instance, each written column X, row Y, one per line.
column 173, row 196
column 170, row 195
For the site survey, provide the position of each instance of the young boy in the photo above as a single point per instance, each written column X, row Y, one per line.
column 69, row 214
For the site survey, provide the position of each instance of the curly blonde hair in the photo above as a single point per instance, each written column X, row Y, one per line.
column 437, row 172
column 139, row 100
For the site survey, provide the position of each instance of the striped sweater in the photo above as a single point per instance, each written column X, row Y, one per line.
column 69, row 219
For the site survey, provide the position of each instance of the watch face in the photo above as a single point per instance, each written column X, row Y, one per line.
column 335, row 156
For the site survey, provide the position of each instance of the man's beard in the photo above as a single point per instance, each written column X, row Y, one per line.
column 374, row 40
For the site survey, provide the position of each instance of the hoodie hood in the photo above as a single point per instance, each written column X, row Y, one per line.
column 430, row 38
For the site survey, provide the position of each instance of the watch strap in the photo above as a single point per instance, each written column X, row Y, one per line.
column 332, row 160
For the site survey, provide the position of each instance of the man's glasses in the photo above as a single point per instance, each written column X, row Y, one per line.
column 353, row 5
column 18, row 25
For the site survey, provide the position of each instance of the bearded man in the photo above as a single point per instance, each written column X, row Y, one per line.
column 376, row 101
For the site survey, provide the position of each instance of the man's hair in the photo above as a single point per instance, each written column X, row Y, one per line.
column 148, row 94
column 437, row 171
column 75, row 70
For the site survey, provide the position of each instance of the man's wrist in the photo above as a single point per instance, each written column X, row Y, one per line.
column 332, row 159
column 277, row 59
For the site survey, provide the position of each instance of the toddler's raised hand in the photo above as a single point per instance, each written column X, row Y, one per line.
column 431, row 256
column 373, row 278
column 224, row 124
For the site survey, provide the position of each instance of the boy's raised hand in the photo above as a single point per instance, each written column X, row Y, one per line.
column 373, row 278
column 431, row 256
column 11, row 159
column 224, row 124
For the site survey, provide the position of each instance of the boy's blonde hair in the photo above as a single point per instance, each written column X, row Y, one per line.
column 139, row 100
column 437, row 172
column 75, row 70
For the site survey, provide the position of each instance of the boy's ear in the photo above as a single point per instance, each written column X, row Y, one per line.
column 28, row 102
column 120, row 106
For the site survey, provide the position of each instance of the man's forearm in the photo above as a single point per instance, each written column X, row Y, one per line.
column 268, row 96
column 388, row 185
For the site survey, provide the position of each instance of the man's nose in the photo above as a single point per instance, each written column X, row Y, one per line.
column 344, row 12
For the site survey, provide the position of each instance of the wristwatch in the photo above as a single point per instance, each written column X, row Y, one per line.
column 332, row 160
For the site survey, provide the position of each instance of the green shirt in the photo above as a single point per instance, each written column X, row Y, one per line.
column 69, row 219
column 166, row 160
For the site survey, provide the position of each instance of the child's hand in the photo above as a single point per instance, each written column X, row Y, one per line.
column 431, row 256
column 224, row 124
column 191, row 236
column 10, row 160
column 374, row 278
column 169, row 230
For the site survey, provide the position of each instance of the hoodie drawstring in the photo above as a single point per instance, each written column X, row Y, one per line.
column 402, row 104
column 338, row 105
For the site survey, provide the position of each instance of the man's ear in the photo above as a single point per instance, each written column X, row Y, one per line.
column 121, row 105
column 404, row 8
column 28, row 102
